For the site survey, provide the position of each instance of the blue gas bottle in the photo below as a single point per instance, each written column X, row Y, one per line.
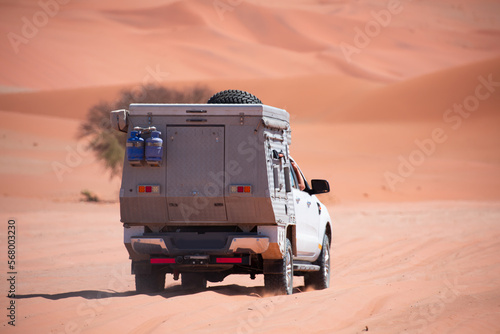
column 135, row 148
column 154, row 149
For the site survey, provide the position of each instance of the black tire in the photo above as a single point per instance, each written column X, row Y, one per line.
column 233, row 96
column 193, row 281
column 150, row 283
column 282, row 283
column 320, row 280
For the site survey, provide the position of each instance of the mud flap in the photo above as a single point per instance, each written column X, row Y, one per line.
column 141, row 268
column 273, row 266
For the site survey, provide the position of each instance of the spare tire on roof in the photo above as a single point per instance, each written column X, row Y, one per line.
column 233, row 96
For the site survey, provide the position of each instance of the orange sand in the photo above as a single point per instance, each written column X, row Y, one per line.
column 415, row 179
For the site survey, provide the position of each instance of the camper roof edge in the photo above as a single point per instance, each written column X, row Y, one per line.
column 162, row 109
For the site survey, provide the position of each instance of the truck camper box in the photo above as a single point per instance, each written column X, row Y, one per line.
column 210, row 190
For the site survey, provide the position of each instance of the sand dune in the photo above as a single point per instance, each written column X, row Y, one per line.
column 426, row 98
column 95, row 44
column 66, row 103
column 413, row 253
column 42, row 158
column 367, row 137
column 358, row 124
column 316, row 98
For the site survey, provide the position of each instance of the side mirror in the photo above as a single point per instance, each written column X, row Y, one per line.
column 320, row 187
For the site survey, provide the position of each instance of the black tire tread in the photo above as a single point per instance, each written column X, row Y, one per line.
column 317, row 280
column 276, row 283
column 233, row 96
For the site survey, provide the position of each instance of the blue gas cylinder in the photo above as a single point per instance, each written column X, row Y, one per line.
column 135, row 148
column 154, row 149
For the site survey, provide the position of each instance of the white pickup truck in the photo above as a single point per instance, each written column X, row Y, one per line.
column 210, row 190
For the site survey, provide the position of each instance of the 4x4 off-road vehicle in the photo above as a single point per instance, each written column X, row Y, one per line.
column 210, row 190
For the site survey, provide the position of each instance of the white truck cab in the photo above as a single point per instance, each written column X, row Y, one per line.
column 210, row 190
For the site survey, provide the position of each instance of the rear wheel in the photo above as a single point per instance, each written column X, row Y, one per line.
column 320, row 280
column 282, row 283
column 193, row 281
column 150, row 283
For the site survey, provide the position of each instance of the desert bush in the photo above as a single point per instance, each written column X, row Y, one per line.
column 88, row 196
column 107, row 144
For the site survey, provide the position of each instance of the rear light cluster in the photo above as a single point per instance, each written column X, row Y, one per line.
column 241, row 189
column 148, row 189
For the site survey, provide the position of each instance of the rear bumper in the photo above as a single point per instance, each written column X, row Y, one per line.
column 174, row 244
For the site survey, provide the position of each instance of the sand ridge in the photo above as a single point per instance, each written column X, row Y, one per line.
column 415, row 179
column 115, row 43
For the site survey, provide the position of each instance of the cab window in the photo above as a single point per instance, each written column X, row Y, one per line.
column 300, row 180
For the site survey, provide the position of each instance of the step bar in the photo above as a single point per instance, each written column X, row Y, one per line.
column 305, row 267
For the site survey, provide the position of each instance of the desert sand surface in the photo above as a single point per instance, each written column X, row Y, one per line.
column 427, row 267
column 403, row 122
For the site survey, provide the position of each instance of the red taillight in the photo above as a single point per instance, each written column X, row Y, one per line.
column 162, row 261
column 148, row 189
column 241, row 189
column 229, row 260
